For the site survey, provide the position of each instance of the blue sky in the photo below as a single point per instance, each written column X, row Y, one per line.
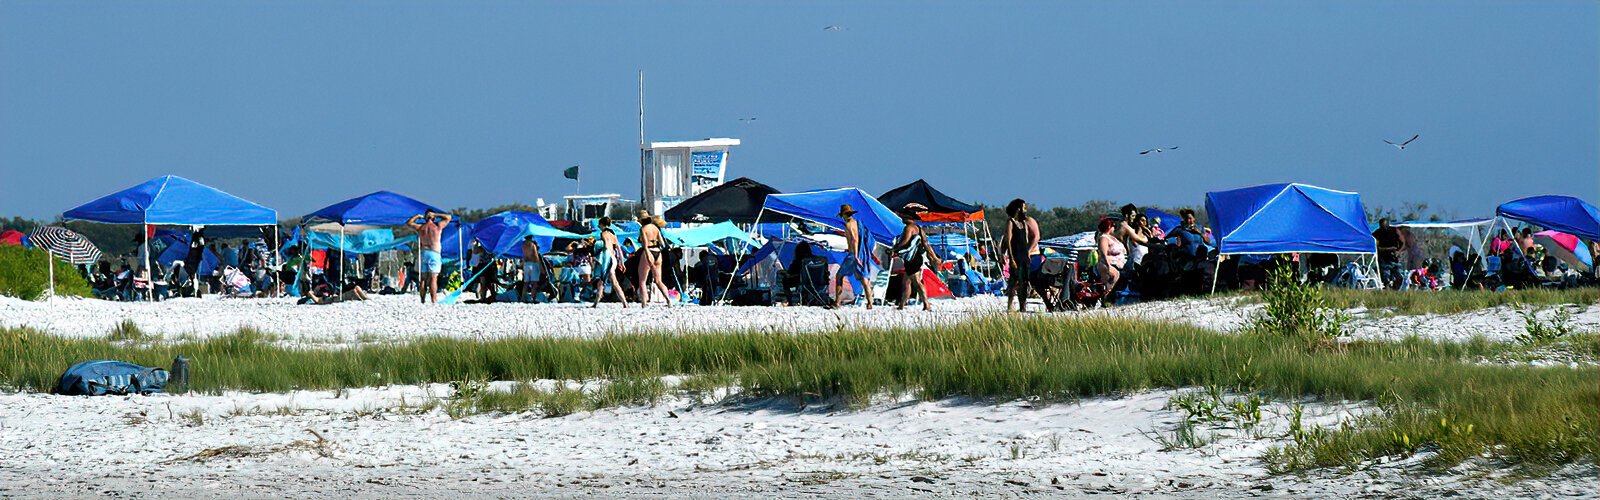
column 301, row 104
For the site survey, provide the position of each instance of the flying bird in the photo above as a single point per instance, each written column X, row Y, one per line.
column 1036, row 157
column 747, row 120
column 1158, row 150
column 1402, row 146
column 834, row 27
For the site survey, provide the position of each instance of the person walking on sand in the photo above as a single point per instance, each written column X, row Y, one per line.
column 608, row 264
column 430, row 228
column 1018, row 250
column 532, row 270
column 652, row 246
column 858, row 257
column 913, row 249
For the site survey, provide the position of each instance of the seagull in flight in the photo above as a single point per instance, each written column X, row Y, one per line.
column 834, row 27
column 747, row 120
column 1402, row 146
column 1158, row 150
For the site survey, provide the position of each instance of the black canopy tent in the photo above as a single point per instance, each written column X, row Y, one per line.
column 738, row 200
column 945, row 211
column 938, row 203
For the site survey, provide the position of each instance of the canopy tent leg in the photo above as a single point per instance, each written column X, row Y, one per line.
column 756, row 226
column 150, row 277
column 1215, row 273
column 276, row 266
column 338, row 284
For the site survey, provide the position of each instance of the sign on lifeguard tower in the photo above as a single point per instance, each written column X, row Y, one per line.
column 674, row 171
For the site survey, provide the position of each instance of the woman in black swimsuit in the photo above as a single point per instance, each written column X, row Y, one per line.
column 913, row 249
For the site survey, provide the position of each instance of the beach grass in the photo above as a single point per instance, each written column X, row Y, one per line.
column 1417, row 302
column 1436, row 396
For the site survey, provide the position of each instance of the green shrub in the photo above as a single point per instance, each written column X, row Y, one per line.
column 1297, row 309
column 25, row 274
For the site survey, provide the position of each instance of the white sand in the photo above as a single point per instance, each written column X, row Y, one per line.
column 60, row 447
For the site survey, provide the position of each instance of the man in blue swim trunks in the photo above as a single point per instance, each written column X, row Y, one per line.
column 430, row 228
column 857, row 263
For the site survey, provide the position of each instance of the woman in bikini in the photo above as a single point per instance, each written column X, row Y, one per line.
column 649, row 279
column 1113, row 255
column 608, row 263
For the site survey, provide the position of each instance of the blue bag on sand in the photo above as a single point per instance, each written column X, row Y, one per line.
column 97, row 378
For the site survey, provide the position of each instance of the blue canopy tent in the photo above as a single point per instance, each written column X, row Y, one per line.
column 502, row 233
column 1561, row 213
column 1283, row 218
column 880, row 224
column 370, row 211
column 173, row 201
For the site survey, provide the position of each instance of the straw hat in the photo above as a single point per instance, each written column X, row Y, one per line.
column 846, row 209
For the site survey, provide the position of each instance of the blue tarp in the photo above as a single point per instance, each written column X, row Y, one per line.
column 502, row 233
column 456, row 238
column 173, row 200
column 1168, row 221
column 178, row 248
column 775, row 230
column 707, row 235
column 952, row 245
column 785, row 250
column 1561, row 213
column 364, row 242
column 1279, row 218
column 382, row 208
column 882, row 225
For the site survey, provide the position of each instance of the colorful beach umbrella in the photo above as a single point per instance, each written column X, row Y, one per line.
column 1566, row 247
column 11, row 237
column 64, row 243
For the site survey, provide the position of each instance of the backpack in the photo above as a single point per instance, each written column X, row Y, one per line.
column 102, row 377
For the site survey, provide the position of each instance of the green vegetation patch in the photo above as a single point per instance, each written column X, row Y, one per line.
column 25, row 274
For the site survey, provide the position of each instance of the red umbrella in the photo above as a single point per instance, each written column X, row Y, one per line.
column 11, row 237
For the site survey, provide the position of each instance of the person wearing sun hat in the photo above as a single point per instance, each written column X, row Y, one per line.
column 857, row 260
column 913, row 250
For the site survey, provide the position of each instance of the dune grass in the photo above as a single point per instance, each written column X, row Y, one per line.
column 1411, row 302
column 1435, row 395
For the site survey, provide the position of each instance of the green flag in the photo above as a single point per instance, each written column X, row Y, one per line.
column 571, row 172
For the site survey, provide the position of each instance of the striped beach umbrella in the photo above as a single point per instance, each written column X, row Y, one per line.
column 72, row 247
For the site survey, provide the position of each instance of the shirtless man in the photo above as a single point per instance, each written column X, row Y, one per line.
column 430, row 228
column 856, row 262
